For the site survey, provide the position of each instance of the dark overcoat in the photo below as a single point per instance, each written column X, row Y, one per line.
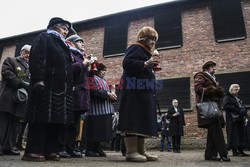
column 81, row 94
column 235, row 130
column 137, row 113
column 51, row 62
column 10, row 83
column 176, row 123
column 212, row 91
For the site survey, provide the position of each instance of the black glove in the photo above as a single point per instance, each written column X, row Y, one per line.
column 24, row 84
column 38, row 86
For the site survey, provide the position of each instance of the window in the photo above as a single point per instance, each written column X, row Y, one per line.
column 241, row 78
column 228, row 20
column 115, row 37
column 168, row 26
column 174, row 89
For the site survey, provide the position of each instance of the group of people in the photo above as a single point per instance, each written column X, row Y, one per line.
column 208, row 89
column 54, row 72
column 61, row 86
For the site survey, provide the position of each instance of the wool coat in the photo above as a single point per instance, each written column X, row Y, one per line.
column 137, row 113
column 176, row 123
column 51, row 62
column 212, row 92
column 235, row 129
column 81, row 94
column 10, row 83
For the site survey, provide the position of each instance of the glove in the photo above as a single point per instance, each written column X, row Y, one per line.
column 38, row 86
column 24, row 84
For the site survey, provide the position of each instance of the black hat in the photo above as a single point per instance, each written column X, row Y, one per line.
column 57, row 20
column 208, row 64
column 21, row 96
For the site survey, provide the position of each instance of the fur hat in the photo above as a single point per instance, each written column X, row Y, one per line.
column 26, row 47
column 208, row 64
column 147, row 32
column 74, row 38
column 57, row 20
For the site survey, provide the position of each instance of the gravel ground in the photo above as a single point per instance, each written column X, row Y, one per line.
column 188, row 158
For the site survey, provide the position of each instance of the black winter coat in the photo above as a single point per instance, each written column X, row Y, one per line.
column 10, row 83
column 51, row 62
column 176, row 123
column 235, row 130
column 137, row 112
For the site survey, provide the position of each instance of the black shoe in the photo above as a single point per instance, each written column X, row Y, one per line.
column 10, row 152
column 236, row 154
column 1, row 153
column 75, row 154
column 175, row 151
column 102, row 153
column 213, row 158
column 33, row 157
column 178, row 151
column 91, row 154
column 242, row 154
column 124, row 154
column 63, row 154
column 225, row 158
column 52, row 157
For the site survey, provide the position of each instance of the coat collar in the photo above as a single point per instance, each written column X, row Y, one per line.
column 207, row 76
column 22, row 61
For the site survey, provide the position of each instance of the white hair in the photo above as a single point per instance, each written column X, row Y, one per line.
column 233, row 86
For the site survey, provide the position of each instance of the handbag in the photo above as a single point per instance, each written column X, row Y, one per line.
column 207, row 112
column 20, row 96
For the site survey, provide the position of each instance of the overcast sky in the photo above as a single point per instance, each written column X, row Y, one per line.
column 23, row 16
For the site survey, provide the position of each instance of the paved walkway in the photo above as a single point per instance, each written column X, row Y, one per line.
column 188, row 158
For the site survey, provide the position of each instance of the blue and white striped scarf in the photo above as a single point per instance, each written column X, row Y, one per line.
column 61, row 37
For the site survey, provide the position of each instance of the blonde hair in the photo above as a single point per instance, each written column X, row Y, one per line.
column 233, row 86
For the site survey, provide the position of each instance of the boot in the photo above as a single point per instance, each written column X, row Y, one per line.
column 132, row 150
column 142, row 150
column 242, row 154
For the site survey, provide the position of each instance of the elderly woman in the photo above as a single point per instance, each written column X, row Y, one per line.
column 208, row 89
column 50, row 103
column 137, row 115
column 235, row 112
column 99, row 117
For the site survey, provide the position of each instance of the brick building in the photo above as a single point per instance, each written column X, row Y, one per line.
column 191, row 32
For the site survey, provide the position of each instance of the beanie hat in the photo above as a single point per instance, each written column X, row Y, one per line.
column 74, row 38
column 147, row 32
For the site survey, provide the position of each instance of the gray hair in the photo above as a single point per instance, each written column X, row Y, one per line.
column 233, row 86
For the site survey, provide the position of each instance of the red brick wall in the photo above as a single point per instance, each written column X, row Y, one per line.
column 198, row 46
